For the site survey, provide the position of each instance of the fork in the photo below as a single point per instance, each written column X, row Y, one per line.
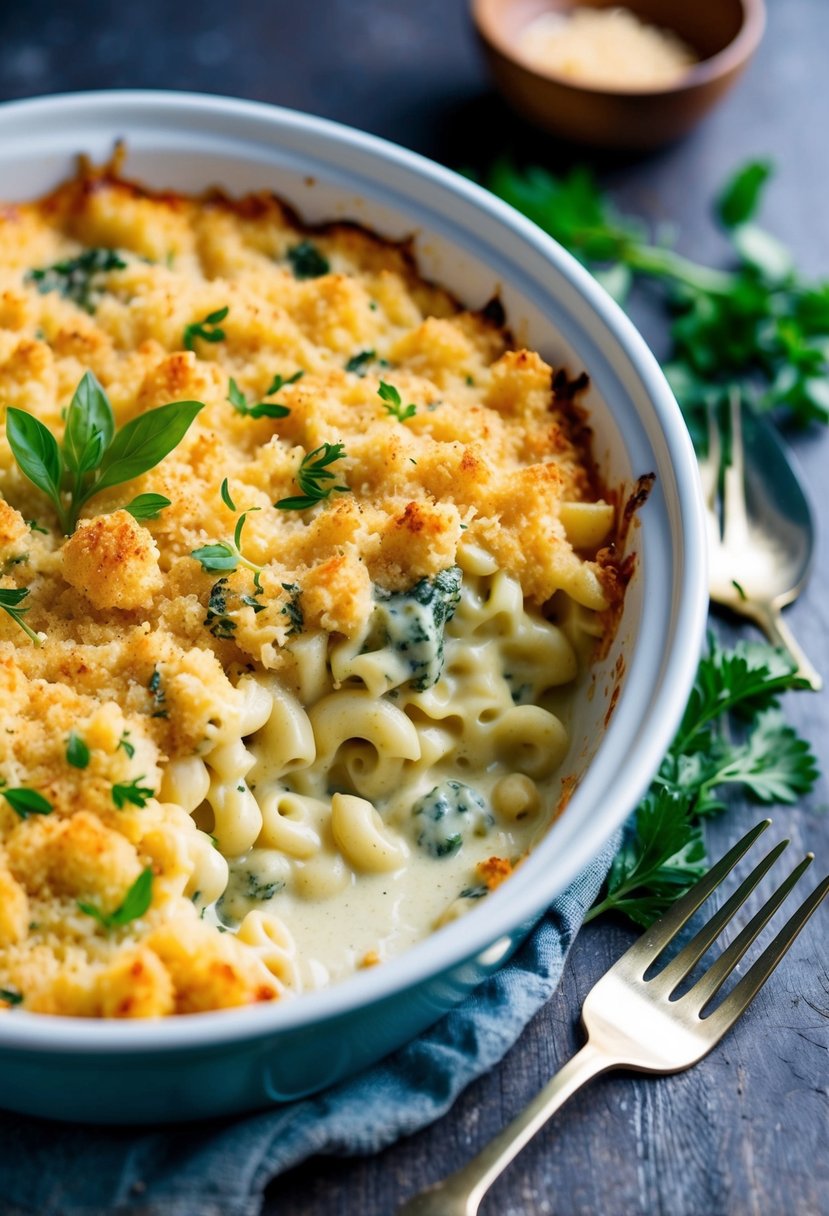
column 636, row 1020
column 755, row 566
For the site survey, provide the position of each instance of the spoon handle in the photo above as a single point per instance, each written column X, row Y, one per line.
column 770, row 619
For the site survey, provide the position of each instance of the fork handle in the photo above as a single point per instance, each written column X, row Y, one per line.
column 770, row 619
column 461, row 1192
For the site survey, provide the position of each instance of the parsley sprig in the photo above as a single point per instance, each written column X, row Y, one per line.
column 732, row 734
column 393, row 402
column 10, row 600
column 313, row 476
column 134, row 904
column 94, row 456
column 758, row 327
column 262, row 409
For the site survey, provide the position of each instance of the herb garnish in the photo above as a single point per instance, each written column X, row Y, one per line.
column 147, row 506
column 34, row 526
column 307, row 262
column 208, row 329
column 760, row 328
column 94, row 456
column 159, row 696
column 125, row 745
column 135, row 903
column 26, row 802
column 263, row 409
column 360, row 362
column 293, row 608
column 74, row 278
column 664, row 853
column 311, row 477
column 10, row 997
column 77, row 752
column 393, row 402
column 10, row 601
column 130, row 791
column 217, row 620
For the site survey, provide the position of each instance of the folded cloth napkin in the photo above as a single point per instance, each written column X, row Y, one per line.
column 222, row 1168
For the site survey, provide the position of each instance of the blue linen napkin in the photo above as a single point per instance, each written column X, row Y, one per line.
column 222, row 1168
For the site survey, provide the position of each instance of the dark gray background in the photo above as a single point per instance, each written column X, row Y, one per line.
column 747, row 1131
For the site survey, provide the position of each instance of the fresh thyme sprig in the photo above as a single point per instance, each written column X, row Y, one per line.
column 94, row 456
column 313, row 476
column 262, row 409
column 224, row 557
column 735, row 691
column 10, row 600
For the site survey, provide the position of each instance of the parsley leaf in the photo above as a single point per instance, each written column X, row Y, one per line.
column 125, row 745
column 130, row 791
column 77, row 752
column 208, row 329
column 757, row 328
column 134, row 904
column 731, row 734
column 10, row 600
column 312, row 477
column 393, row 402
column 26, row 802
column 307, row 262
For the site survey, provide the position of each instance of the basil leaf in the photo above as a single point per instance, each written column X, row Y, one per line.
column 90, row 426
column 144, row 442
column 147, row 506
column 218, row 556
column 36, row 451
column 27, row 802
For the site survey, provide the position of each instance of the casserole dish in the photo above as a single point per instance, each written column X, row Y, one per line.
column 218, row 1063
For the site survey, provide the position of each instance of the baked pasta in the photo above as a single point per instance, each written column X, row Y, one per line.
column 299, row 562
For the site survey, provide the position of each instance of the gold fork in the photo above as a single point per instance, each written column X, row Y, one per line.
column 636, row 1022
column 759, row 552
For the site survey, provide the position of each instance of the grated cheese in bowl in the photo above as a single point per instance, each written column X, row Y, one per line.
column 606, row 48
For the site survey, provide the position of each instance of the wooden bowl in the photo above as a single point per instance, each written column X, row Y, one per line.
column 724, row 33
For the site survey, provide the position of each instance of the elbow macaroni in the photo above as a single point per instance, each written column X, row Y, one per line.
column 337, row 757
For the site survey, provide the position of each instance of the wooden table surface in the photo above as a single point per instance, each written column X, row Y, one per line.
column 747, row 1130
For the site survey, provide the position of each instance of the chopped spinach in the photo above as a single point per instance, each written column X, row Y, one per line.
column 447, row 812
column 75, row 278
column 307, row 262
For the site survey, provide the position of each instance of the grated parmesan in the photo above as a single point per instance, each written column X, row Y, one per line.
column 605, row 48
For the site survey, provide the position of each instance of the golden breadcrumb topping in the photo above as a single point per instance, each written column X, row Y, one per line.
column 130, row 660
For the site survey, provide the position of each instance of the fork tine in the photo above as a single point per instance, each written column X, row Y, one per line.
column 751, row 983
column 678, row 968
column 709, row 984
column 662, row 931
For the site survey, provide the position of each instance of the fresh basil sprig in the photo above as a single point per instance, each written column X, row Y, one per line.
column 94, row 456
column 135, row 903
column 10, row 600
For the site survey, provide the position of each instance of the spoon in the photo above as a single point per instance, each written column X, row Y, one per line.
column 761, row 531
